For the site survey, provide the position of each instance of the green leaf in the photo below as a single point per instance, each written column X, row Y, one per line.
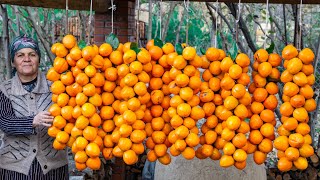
column 229, row 37
column 233, row 52
column 158, row 42
column 270, row 19
column 270, row 48
column 203, row 50
column 269, row 79
column 134, row 46
column 113, row 41
column 179, row 49
column 250, row 18
column 219, row 41
column 82, row 44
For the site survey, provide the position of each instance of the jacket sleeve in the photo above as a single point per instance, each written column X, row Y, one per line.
column 10, row 123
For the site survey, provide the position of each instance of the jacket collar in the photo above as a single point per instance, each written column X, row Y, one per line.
column 41, row 87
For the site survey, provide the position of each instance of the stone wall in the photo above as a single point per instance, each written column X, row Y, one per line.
column 183, row 169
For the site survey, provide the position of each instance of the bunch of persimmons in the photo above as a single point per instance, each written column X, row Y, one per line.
column 122, row 101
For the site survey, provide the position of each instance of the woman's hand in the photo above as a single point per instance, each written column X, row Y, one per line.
column 43, row 118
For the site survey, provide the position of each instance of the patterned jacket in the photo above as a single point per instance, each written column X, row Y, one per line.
column 18, row 151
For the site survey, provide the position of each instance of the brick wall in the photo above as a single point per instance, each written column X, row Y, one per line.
column 124, row 28
column 123, row 23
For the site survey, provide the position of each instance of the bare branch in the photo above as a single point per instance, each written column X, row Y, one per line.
column 242, row 26
column 214, row 28
column 166, row 24
column 228, row 24
column 278, row 27
column 254, row 20
column 17, row 18
column 317, row 55
column 222, row 16
column 12, row 29
column 42, row 37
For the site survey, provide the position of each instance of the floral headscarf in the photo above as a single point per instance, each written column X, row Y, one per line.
column 21, row 42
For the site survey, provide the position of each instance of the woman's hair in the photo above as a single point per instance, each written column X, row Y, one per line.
column 23, row 41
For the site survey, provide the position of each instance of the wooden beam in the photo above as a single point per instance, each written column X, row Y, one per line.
column 260, row 1
column 97, row 5
column 103, row 5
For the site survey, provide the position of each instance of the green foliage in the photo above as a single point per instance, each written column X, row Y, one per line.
column 203, row 50
column 158, row 42
column 134, row 46
column 233, row 51
column 179, row 49
column 82, row 44
column 270, row 48
column 113, row 41
column 198, row 31
column 219, row 40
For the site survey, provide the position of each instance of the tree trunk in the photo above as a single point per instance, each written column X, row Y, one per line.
column 157, row 24
column 43, row 38
column 150, row 21
column 52, row 28
column 166, row 24
column 285, row 24
column 214, row 28
column 82, row 18
column 5, row 31
column 179, row 27
column 296, row 24
column 243, row 27
column 16, row 11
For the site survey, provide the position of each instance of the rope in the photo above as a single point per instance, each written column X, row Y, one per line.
column 216, row 33
column 238, row 19
column 89, row 23
column 113, row 8
column 267, row 17
column 160, row 19
column 300, row 27
column 186, row 5
column 67, row 26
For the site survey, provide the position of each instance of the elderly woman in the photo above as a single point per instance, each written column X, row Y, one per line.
column 27, row 152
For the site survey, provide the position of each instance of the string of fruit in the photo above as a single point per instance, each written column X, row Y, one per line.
column 77, row 82
column 294, row 141
column 226, row 129
column 112, row 99
column 157, row 119
column 264, row 90
column 184, row 104
column 209, row 100
column 236, row 100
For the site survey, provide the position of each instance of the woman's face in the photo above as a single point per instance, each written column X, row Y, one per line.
column 26, row 61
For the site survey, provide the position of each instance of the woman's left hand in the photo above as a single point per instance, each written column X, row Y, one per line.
column 43, row 118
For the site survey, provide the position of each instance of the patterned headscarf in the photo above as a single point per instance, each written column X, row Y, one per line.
column 21, row 42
